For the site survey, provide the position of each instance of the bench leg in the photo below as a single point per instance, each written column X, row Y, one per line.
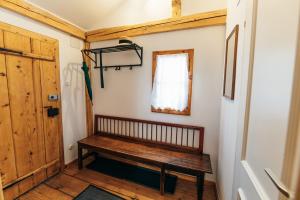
column 80, row 165
column 200, row 186
column 162, row 180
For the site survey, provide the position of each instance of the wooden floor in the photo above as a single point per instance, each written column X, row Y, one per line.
column 72, row 182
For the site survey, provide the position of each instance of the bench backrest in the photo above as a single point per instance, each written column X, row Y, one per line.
column 177, row 137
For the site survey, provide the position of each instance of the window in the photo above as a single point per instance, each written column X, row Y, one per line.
column 172, row 81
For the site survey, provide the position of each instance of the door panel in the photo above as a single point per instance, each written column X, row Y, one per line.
column 47, row 49
column 17, row 41
column 7, row 155
column 26, row 132
column 41, row 157
column 51, row 129
column 271, row 63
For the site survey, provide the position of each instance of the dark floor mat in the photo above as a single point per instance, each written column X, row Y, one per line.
column 94, row 193
column 133, row 173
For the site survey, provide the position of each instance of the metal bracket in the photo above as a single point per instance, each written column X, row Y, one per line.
column 119, row 48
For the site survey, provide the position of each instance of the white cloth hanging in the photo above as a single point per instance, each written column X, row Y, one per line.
column 170, row 86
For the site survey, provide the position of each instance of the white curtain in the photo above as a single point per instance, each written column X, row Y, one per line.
column 170, row 86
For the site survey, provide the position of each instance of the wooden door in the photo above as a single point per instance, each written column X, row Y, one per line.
column 7, row 153
column 32, row 150
column 28, row 137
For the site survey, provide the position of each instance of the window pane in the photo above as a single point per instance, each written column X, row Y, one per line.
column 171, row 83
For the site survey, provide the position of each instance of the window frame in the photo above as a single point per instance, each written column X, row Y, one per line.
column 190, row 53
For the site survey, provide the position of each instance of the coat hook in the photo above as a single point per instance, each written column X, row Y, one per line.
column 130, row 67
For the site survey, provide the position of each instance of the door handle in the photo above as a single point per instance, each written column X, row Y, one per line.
column 279, row 185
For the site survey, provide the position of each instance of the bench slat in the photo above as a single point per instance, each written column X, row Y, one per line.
column 184, row 138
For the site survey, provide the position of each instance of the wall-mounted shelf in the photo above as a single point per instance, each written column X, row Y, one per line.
column 98, row 60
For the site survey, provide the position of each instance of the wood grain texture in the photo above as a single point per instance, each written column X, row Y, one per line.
column 1, row 38
column 7, row 153
column 73, row 184
column 67, row 184
column 26, row 9
column 176, row 8
column 212, row 18
column 51, row 129
column 170, row 136
column 11, row 193
column 183, row 161
column 24, row 32
column 59, row 105
column 44, row 192
column 1, row 190
column 185, row 190
column 17, row 42
column 28, row 55
column 21, row 78
column 23, row 114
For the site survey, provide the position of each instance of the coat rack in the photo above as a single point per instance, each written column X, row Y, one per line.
column 119, row 48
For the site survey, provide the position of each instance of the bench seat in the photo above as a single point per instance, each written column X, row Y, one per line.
column 193, row 163
column 173, row 147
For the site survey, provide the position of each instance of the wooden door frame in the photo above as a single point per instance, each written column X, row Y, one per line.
column 1, row 190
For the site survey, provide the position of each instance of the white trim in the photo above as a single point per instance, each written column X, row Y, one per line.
column 254, row 180
column 241, row 194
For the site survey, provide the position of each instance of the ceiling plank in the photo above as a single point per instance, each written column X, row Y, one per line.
column 176, row 8
column 33, row 12
column 213, row 18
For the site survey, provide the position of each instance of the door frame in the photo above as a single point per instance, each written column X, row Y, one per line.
column 291, row 168
column 1, row 190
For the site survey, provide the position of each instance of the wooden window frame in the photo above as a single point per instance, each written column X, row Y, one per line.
column 190, row 53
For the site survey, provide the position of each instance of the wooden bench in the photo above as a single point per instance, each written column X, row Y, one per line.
column 168, row 146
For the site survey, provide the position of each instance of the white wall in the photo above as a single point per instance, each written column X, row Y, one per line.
column 73, row 96
column 189, row 7
column 139, row 11
column 128, row 93
column 230, row 110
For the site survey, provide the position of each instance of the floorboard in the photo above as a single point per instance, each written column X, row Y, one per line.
column 72, row 182
column 44, row 192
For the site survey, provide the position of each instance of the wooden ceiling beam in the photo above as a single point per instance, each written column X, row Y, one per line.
column 177, row 22
column 213, row 18
column 176, row 8
column 33, row 12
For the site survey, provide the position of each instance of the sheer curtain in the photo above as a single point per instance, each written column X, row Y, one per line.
column 170, row 86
